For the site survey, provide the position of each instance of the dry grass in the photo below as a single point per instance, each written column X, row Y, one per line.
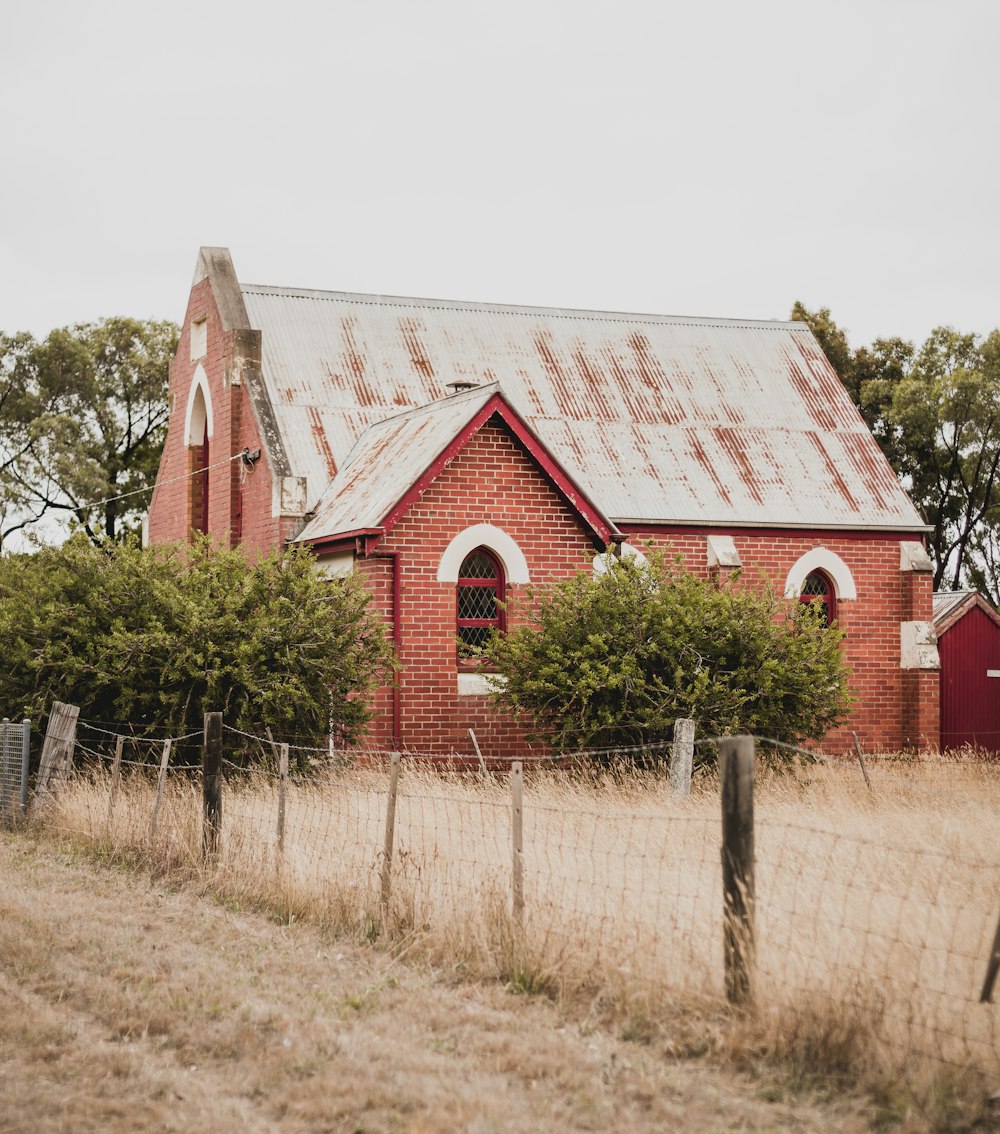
column 875, row 916
column 130, row 1004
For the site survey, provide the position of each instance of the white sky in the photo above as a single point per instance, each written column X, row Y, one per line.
column 679, row 158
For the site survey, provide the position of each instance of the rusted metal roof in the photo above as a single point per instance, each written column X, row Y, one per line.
column 950, row 606
column 361, row 494
column 414, row 447
column 659, row 419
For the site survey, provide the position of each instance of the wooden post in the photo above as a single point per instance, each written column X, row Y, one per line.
column 390, row 832
column 160, row 783
column 57, row 748
column 116, row 775
column 517, row 837
column 992, row 968
column 736, row 768
column 682, row 757
column 861, row 761
column 482, row 762
column 282, row 789
column 211, row 824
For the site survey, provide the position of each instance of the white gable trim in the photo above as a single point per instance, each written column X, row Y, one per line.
column 198, row 382
column 821, row 559
column 515, row 566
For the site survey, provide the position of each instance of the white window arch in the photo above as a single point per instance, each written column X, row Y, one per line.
column 515, row 566
column 830, row 563
column 199, row 409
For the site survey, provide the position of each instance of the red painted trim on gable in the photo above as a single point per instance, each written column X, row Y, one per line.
column 343, row 541
column 974, row 601
column 759, row 530
column 602, row 528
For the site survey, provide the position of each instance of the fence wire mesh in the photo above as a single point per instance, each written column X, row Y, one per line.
column 881, row 902
column 14, row 737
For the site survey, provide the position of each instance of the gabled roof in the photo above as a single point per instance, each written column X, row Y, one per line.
column 657, row 418
column 951, row 606
column 416, row 446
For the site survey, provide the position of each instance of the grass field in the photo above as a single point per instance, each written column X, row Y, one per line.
column 875, row 915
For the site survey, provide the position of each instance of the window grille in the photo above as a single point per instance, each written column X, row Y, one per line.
column 818, row 588
column 480, row 590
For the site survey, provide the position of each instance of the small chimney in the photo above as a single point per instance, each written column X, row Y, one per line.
column 461, row 384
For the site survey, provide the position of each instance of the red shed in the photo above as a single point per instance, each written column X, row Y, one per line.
column 968, row 630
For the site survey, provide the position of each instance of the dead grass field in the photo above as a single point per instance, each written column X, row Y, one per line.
column 876, row 915
column 128, row 1004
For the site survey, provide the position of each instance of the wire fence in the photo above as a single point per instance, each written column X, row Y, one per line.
column 14, row 745
column 875, row 898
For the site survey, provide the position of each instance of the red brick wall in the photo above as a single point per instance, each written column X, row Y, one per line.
column 889, row 713
column 491, row 481
column 240, row 505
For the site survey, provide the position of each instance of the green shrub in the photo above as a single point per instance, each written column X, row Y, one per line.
column 613, row 659
column 157, row 636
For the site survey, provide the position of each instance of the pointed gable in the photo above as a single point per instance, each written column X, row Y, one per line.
column 396, row 460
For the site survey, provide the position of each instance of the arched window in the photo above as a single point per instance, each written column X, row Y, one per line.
column 481, row 588
column 198, row 462
column 818, row 587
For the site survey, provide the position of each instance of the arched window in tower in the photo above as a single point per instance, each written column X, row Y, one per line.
column 481, row 589
column 198, row 462
column 818, row 588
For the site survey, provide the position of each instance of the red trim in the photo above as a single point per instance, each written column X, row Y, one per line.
column 346, row 541
column 828, row 599
column 759, row 530
column 498, row 585
column 972, row 601
column 593, row 519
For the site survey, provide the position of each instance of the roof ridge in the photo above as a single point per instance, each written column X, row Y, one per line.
column 570, row 313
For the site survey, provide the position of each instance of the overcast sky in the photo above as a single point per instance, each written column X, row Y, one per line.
column 698, row 158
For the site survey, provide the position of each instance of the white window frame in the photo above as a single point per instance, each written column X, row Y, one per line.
column 515, row 566
column 830, row 563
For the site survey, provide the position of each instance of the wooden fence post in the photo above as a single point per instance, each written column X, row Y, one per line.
column 211, row 825
column 57, row 748
column 736, row 769
column 390, row 832
column 992, row 969
column 682, row 757
column 116, row 775
column 282, row 790
column 161, row 780
column 861, row 761
column 517, row 838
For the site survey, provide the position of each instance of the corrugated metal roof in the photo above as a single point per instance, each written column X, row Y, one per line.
column 952, row 606
column 362, row 494
column 658, row 418
column 946, row 602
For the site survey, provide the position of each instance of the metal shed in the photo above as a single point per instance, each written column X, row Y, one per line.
column 968, row 630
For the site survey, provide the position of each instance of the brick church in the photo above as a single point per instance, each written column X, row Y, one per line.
column 455, row 452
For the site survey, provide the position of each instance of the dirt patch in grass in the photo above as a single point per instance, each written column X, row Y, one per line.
column 127, row 1004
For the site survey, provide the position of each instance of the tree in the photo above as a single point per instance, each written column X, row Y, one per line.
column 156, row 636
column 613, row 660
column 935, row 412
column 88, row 414
column 946, row 417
